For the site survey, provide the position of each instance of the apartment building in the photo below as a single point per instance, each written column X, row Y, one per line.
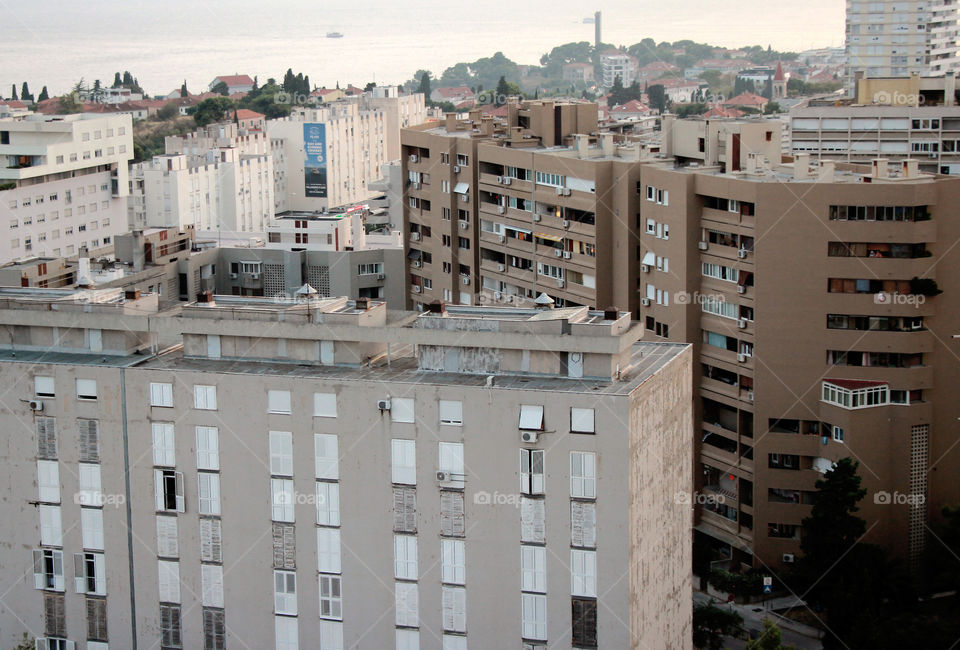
column 64, row 184
column 400, row 111
column 894, row 38
column 702, row 241
column 913, row 117
column 613, row 64
column 220, row 177
column 447, row 478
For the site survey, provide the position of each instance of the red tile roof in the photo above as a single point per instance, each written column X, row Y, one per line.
column 247, row 114
column 13, row 103
column 779, row 74
column 490, row 110
column 455, row 91
column 236, row 80
column 746, row 99
column 633, row 106
column 718, row 111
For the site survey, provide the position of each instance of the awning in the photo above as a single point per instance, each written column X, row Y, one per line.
column 414, row 254
column 531, row 417
column 524, row 231
column 649, row 259
column 542, row 235
column 461, row 188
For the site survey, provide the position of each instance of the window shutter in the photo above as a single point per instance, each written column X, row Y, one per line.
column 327, row 454
column 407, row 604
column 210, row 541
column 454, row 609
column 583, row 524
column 168, row 581
column 328, row 550
column 532, row 521
column 91, row 524
column 451, row 513
column 404, row 510
column 97, row 619
column 79, row 573
column 55, row 614
column 167, row 544
column 284, row 546
column 536, row 471
column 47, row 438
column 214, row 630
column 211, row 578
column 207, row 448
column 89, row 440
column 584, row 622
column 170, row 626
column 158, row 489
column 39, row 574
column 181, row 506
column 100, row 574
column 48, row 480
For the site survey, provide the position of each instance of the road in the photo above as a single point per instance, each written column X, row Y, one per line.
column 753, row 621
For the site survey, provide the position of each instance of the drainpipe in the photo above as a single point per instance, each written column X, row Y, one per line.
column 126, row 479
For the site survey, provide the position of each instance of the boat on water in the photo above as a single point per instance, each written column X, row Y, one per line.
column 589, row 20
column 334, row 35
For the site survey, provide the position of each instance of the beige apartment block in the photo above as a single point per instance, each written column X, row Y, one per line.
column 325, row 472
column 808, row 292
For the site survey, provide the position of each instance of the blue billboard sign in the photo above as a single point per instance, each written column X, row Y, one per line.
column 315, row 160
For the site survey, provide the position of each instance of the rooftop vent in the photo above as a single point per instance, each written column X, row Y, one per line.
column 611, row 313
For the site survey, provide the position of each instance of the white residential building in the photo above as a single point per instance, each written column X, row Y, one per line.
column 334, row 231
column 618, row 64
column 63, row 183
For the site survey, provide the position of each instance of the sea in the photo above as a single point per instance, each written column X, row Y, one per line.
column 58, row 42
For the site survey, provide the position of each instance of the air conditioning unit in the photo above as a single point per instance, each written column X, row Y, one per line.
column 417, row 288
column 465, row 198
column 742, row 253
column 254, row 276
column 506, row 180
column 415, row 185
column 465, row 280
column 36, row 405
column 559, row 191
column 414, row 158
column 380, row 276
column 417, row 264
column 750, row 395
column 529, row 436
column 443, row 477
column 741, row 358
column 645, row 302
column 501, row 209
column 566, row 255
column 558, row 253
column 742, row 323
column 536, row 217
column 788, row 558
column 644, row 268
column 415, row 236
column 233, row 276
column 383, row 404
column 566, row 191
column 464, row 225
column 456, row 169
column 566, row 224
column 497, row 295
column 503, row 239
column 741, row 288
column 500, row 179
column 560, row 283
column 501, row 267
column 703, row 245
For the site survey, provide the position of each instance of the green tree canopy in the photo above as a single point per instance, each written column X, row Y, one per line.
column 770, row 639
column 221, row 88
column 712, row 623
column 43, row 94
column 424, row 84
column 212, row 109
column 25, row 93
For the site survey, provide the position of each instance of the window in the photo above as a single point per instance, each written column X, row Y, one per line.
column 326, row 456
column 451, row 412
column 405, row 557
column 581, row 420
column 531, row 471
column 284, row 546
column 408, row 639
column 584, row 617
column 281, row 453
column 47, row 438
column 403, row 456
column 167, row 544
column 331, row 598
column 286, row 634
column 43, row 387
column 532, row 521
column 371, row 268
column 454, row 609
column 328, row 550
column 214, row 630
column 285, row 592
column 208, row 448
column 583, row 524
column 54, row 614
column 90, row 575
column 170, row 627
column 163, row 444
column 211, row 580
column 208, row 493
column 534, row 616
column 533, row 569
column 281, row 495
column 205, row 398
column 89, row 485
column 407, row 604
column 48, row 480
column 451, row 462
column 96, row 620
column 328, row 504
column 583, row 474
column 405, row 509
column 401, row 409
column 161, row 394
column 837, row 434
column 583, row 573
column 87, row 389
column 453, row 561
column 325, row 405
column 451, row 513
column 48, row 569
column 531, row 417
column 91, row 527
column 168, row 490
column 168, row 581
column 278, row 401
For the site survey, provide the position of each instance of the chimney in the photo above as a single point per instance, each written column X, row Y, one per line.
column 606, row 142
column 475, row 115
column 437, row 307
column 486, row 126
column 583, row 145
column 362, row 304
column 205, row 296
column 131, row 294
column 950, row 88
column 450, row 122
column 827, row 168
column 611, row 313
column 801, row 166
column 911, row 168
column 880, row 168
column 83, row 272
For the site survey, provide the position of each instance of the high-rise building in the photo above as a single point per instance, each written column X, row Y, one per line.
column 482, row 476
column 809, row 294
column 63, row 184
column 894, row 38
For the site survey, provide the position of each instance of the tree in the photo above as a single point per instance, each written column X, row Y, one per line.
column 117, row 82
column 25, row 93
column 657, row 95
column 711, row 624
column 503, row 90
column 212, row 109
column 221, row 88
column 168, row 111
column 43, row 95
column 183, row 89
column 771, row 638
column 70, row 103
column 13, row 92
column 615, row 92
column 771, row 108
column 424, row 85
